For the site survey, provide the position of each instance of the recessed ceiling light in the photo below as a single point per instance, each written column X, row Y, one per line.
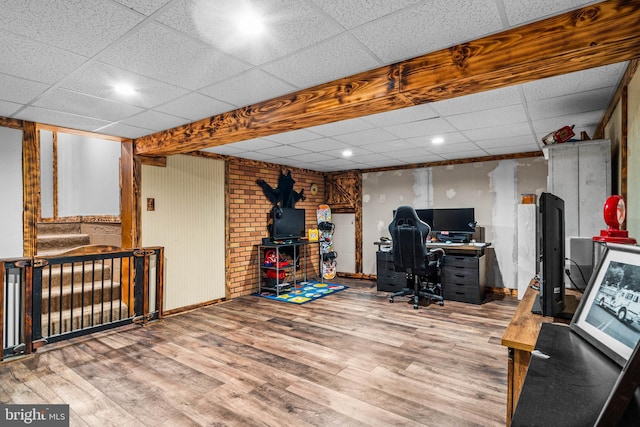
column 347, row 153
column 249, row 22
column 124, row 89
column 437, row 140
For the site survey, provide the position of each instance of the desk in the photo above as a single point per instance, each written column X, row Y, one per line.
column 520, row 338
column 463, row 272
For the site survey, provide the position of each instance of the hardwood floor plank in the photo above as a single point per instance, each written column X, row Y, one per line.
column 349, row 359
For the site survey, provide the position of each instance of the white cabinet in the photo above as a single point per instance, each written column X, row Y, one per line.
column 580, row 174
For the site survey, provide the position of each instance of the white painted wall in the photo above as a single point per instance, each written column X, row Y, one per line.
column 88, row 176
column 11, row 239
column 189, row 221
column 344, row 242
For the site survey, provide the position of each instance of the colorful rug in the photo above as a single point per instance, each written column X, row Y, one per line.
column 305, row 292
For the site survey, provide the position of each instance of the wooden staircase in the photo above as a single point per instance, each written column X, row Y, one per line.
column 76, row 295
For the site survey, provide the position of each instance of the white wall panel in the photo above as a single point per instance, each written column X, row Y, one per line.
column 11, row 175
column 189, row 221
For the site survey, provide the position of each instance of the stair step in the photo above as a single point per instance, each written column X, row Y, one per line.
column 68, row 297
column 92, row 272
column 83, row 318
column 57, row 243
column 47, row 228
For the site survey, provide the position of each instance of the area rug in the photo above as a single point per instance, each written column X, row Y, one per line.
column 305, row 292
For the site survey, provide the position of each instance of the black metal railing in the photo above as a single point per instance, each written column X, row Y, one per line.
column 52, row 298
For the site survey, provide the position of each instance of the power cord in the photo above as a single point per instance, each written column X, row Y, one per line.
column 568, row 273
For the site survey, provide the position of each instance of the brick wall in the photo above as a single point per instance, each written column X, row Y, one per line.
column 248, row 209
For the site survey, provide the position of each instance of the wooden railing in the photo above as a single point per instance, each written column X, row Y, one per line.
column 52, row 298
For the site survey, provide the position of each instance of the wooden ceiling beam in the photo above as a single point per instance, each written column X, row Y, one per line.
column 601, row 34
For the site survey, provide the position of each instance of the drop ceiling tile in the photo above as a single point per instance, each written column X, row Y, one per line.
column 85, row 105
column 146, row 7
column 518, row 141
column 253, row 144
column 402, row 115
column 449, row 138
column 124, row 131
column 56, row 118
column 442, row 149
column 19, row 90
column 520, row 12
column 23, row 57
column 309, row 157
column 186, row 63
column 248, row 88
column 365, row 137
column 390, row 146
column 327, row 61
column 99, row 79
column 78, row 26
column 284, row 151
column 291, row 25
column 195, row 106
column 155, row 120
column 341, row 127
column 479, row 101
column 489, row 118
column 351, row 14
column 433, row 126
column 298, row 135
column 428, row 27
column 370, row 158
column 515, row 129
column 321, row 145
column 412, row 156
column 568, row 84
column 7, row 109
column 464, row 154
column 571, row 104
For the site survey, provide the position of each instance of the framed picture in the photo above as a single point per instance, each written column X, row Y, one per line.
column 608, row 315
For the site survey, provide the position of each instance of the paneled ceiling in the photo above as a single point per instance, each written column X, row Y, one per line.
column 62, row 58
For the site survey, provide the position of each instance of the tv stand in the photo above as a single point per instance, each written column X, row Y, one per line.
column 570, row 306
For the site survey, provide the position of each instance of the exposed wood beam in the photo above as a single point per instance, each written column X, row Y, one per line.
column 593, row 36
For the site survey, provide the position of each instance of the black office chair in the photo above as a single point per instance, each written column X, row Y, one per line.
column 410, row 254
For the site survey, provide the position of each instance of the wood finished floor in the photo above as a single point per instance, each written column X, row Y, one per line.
column 349, row 359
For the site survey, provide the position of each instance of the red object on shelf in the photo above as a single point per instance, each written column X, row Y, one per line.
column 614, row 215
column 563, row 134
column 271, row 274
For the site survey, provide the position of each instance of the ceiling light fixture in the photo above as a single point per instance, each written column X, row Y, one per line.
column 249, row 22
column 124, row 89
column 437, row 140
column 347, row 153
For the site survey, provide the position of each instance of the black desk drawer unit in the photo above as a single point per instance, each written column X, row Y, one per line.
column 464, row 278
column 389, row 280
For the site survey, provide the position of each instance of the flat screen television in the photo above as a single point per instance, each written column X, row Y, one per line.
column 287, row 223
column 551, row 249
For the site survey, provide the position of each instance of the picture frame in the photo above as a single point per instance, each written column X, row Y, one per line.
column 608, row 315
